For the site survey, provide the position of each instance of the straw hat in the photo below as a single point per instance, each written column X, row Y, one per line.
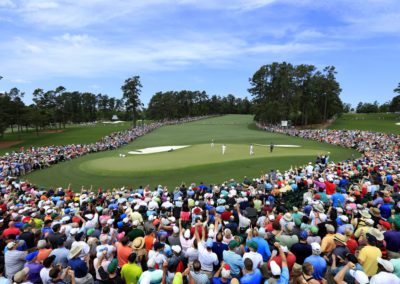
column 138, row 243
column 375, row 212
column 364, row 214
column 340, row 238
column 319, row 207
column 75, row 251
column 288, row 217
column 376, row 233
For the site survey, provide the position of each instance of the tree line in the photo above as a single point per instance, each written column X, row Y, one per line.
column 59, row 107
column 179, row 104
column 375, row 107
column 299, row 93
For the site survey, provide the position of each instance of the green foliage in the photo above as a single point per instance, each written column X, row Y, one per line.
column 302, row 94
column 131, row 90
column 173, row 104
column 395, row 103
column 367, row 107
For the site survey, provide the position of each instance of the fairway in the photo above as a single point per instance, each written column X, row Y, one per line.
column 196, row 163
column 377, row 122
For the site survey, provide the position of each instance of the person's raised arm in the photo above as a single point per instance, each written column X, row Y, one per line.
column 281, row 254
column 238, row 209
column 339, row 277
column 180, row 228
column 216, row 275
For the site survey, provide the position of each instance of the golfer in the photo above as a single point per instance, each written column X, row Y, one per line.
column 212, row 143
column 251, row 150
column 223, row 149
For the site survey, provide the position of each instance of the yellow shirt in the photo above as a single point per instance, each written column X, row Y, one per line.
column 368, row 256
column 328, row 244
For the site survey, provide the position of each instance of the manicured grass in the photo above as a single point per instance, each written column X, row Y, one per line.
column 379, row 122
column 197, row 163
column 72, row 134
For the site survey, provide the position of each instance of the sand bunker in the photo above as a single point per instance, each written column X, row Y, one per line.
column 153, row 150
column 113, row 122
column 398, row 123
column 280, row 145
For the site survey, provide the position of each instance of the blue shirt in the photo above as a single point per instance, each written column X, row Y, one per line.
column 319, row 265
column 338, row 200
column 234, row 260
column 252, row 278
column 386, row 210
column 263, row 247
column 217, row 280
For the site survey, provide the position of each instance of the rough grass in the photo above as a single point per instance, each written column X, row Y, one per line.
column 379, row 122
column 193, row 164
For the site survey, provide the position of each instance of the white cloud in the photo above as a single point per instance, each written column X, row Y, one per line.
column 79, row 55
column 6, row 4
column 228, row 4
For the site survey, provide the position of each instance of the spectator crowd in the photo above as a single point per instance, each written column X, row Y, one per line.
column 19, row 163
column 345, row 228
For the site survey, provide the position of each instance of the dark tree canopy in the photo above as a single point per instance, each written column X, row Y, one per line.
column 302, row 94
column 173, row 104
column 131, row 90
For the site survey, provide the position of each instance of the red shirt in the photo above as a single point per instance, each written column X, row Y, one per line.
column 11, row 231
column 330, row 188
column 290, row 258
column 226, row 215
column 3, row 207
column 352, row 245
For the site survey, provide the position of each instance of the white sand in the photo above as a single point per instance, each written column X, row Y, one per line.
column 280, row 145
column 398, row 123
column 153, row 150
column 113, row 122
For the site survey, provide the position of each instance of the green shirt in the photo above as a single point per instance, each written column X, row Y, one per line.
column 131, row 272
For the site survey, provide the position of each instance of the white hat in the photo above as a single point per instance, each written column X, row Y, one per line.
column 275, row 269
column 175, row 229
column 151, row 218
column 225, row 272
column 74, row 231
column 89, row 216
column 388, row 265
column 126, row 220
column 172, row 219
column 359, row 276
column 369, row 222
column 344, row 218
column 110, row 221
column 65, row 219
column 187, row 234
column 316, row 247
column 151, row 263
column 176, row 249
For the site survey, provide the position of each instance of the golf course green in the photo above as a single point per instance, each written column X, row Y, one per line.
column 195, row 163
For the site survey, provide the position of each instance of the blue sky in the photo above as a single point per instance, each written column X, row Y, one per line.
column 216, row 46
